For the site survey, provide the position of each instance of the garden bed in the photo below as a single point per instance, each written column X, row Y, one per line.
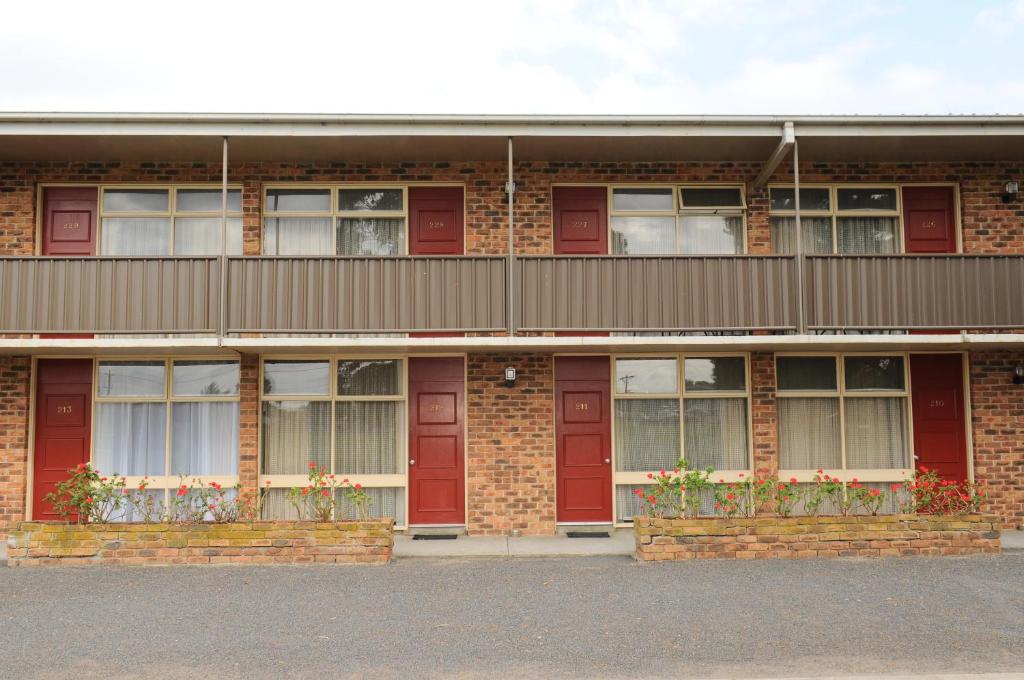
column 795, row 537
column 54, row 544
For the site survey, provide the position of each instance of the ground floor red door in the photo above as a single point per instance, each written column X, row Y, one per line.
column 437, row 480
column 63, row 425
column 583, row 447
column 940, row 426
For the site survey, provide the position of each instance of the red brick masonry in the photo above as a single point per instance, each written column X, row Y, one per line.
column 54, row 544
column 792, row 537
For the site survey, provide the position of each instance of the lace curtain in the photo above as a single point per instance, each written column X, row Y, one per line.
column 298, row 236
column 715, row 432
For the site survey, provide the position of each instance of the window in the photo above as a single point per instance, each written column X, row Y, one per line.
column 671, row 407
column 849, row 220
column 157, row 221
column 167, row 419
column 689, row 220
column 844, row 413
column 347, row 415
column 358, row 221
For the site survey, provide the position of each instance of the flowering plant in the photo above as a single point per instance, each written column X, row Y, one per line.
column 88, row 496
column 785, row 496
column 319, row 498
column 868, row 498
column 929, row 494
column 663, row 498
column 826, row 489
column 144, row 504
column 732, row 499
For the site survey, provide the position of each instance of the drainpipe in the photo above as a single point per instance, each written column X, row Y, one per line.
column 801, row 320
column 510, row 190
column 222, row 327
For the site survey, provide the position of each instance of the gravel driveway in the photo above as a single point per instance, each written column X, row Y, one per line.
column 586, row 617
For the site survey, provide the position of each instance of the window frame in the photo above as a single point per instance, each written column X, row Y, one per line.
column 677, row 212
column 167, row 482
column 400, row 480
column 172, row 213
column 630, row 478
column 841, row 393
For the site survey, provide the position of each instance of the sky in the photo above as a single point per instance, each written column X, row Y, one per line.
column 515, row 57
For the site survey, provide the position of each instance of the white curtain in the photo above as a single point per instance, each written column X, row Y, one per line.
column 876, row 433
column 201, row 236
column 294, row 434
column 644, row 235
column 298, row 236
column 204, row 438
column 367, row 437
column 131, row 438
column 867, row 235
column 646, row 434
column 371, row 236
column 715, row 432
column 711, row 234
column 136, row 236
column 816, row 235
column 809, row 433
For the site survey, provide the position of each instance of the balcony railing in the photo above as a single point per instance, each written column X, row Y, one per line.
column 290, row 295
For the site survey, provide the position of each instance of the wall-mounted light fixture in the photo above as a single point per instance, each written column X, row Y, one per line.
column 1010, row 191
column 1018, row 375
column 510, row 377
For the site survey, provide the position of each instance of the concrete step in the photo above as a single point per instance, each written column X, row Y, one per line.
column 619, row 543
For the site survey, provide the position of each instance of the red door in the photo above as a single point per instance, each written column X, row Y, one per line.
column 63, row 425
column 937, row 395
column 69, row 221
column 437, row 486
column 929, row 220
column 580, row 217
column 436, row 227
column 583, row 433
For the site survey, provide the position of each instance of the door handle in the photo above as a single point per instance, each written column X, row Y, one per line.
column 412, row 462
column 608, row 461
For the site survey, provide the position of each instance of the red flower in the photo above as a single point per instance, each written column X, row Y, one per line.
column 359, row 486
column 662, row 472
column 312, row 465
column 854, row 480
column 741, row 474
column 126, row 492
column 650, row 475
column 330, row 476
column 730, row 496
column 652, row 499
column 895, row 487
column 305, row 492
column 345, row 481
column 875, row 493
column 325, row 493
column 103, row 479
column 792, row 480
column 638, row 492
column 820, row 471
column 182, row 490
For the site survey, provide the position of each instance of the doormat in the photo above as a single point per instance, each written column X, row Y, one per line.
column 435, row 537
column 587, row 534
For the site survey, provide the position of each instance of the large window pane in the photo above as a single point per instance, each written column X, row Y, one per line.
column 298, row 236
column 876, row 433
column 135, row 200
column 384, row 502
column 371, row 236
column 711, row 234
column 205, row 378
column 809, row 433
column 207, row 200
column 866, row 198
column 136, row 236
column 370, row 378
column 202, row 236
column 867, row 235
column 816, row 235
column 297, row 377
column 715, row 373
column 646, row 376
column 642, row 199
column 298, row 200
column 295, row 433
column 697, row 197
column 644, row 235
column 204, row 438
column 370, row 199
column 646, row 434
column 806, row 373
column 131, row 379
column 715, row 433
column 367, row 437
column 873, row 373
column 813, row 198
column 131, row 438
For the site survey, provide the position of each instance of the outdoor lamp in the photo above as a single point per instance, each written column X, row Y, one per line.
column 1010, row 191
column 510, row 377
column 1018, row 375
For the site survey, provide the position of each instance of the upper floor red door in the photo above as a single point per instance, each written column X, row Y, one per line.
column 63, row 426
column 436, row 223
column 929, row 219
column 580, row 220
column 940, row 425
column 69, row 221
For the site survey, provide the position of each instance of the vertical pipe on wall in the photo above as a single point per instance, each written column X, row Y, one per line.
column 222, row 328
column 510, row 191
column 801, row 319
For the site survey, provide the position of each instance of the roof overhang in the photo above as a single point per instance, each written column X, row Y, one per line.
column 361, row 138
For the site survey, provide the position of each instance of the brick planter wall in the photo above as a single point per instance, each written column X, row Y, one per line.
column 53, row 544
column 792, row 537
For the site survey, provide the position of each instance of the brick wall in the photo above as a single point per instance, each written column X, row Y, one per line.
column 997, row 419
column 763, row 411
column 15, row 382
column 249, row 419
column 510, row 466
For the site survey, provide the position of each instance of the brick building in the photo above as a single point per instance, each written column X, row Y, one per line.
column 669, row 293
